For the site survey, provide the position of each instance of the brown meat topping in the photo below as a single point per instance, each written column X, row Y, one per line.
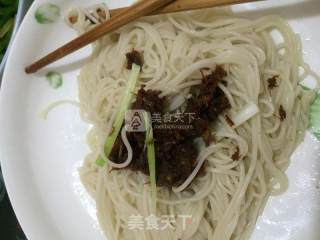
column 134, row 57
column 102, row 13
column 282, row 113
column 272, row 82
column 175, row 150
column 73, row 19
column 236, row 155
column 229, row 121
column 208, row 137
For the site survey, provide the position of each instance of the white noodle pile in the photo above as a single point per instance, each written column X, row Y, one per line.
column 227, row 200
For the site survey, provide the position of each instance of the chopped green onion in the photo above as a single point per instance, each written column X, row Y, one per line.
column 314, row 116
column 245, row 114
column 151, row 159
column 124, row 106
column 47, row 13
column 304, row 87
column 55, row 79
column 100, row 162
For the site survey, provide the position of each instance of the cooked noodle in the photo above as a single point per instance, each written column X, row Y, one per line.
column 226, row 201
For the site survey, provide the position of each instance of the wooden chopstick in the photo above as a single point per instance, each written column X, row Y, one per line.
column 138, row 10
column 121, row 17
column 185, row 5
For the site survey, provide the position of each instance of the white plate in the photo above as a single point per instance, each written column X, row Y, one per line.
column 40, row 158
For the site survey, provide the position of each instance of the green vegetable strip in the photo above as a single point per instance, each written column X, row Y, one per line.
column 8, row 2
column 6, row 27
column 314, row 116
column 151, row 159
column 304, row 87
column 8, row 11
column 5, row 41
column 125, row 104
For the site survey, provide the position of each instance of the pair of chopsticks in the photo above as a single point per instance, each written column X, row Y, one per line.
column 121, row 17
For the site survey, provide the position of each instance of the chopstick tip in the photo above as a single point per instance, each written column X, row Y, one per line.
column 29, row 70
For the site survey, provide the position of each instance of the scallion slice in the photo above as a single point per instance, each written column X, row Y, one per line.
column 151, row 158
column 124, row 106
column 314, row 116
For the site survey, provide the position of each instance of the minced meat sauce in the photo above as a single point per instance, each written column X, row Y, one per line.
column 175, row 150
